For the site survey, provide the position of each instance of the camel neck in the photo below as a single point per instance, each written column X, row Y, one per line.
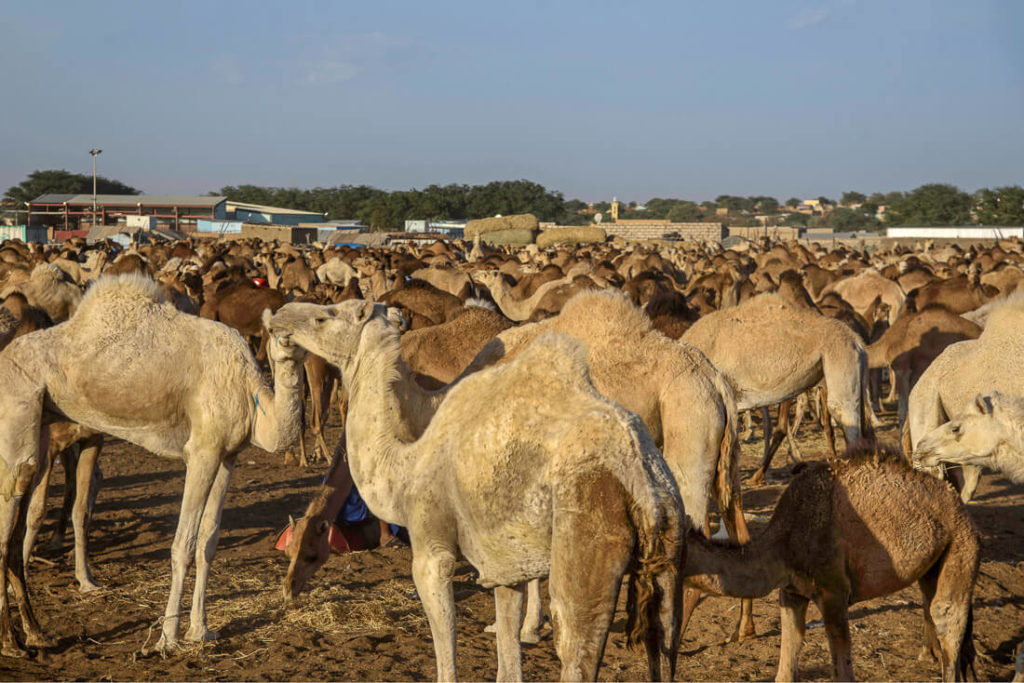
column 277, row 415
column 376, row 435
column 748, row 571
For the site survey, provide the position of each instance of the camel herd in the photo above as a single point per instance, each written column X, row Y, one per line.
column 573, row 413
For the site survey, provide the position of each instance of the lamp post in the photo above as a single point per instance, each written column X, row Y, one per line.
column 95, row 152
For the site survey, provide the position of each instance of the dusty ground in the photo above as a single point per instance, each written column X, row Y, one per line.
column 362, row 619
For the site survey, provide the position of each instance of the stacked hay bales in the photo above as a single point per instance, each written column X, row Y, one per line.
column 517, row 229
column 571, row 236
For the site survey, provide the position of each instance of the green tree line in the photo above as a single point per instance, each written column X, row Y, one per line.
column 930, row 204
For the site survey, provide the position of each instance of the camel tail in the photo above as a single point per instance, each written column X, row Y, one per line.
column 655, row 559
column 727, row 473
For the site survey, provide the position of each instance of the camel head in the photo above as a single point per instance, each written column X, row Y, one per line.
column 308, row 550
column 987, row 433
column 331, row 332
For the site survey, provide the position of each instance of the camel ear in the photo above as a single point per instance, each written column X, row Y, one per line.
column 291, row 521
column 322, row 526
column 986, row 403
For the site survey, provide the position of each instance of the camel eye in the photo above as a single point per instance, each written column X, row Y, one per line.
column 956, row 430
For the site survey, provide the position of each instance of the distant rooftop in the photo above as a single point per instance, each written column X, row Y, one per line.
column 260, row 208
column 130, row 200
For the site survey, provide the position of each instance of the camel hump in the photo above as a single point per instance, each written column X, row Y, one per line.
column 127, row 288
column 557, row 357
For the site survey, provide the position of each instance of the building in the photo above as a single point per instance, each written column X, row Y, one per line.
column 75, row 211
column 447, row 228
column 270, row 215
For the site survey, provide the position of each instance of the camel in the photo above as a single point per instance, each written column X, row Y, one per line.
column 992, row 362
column 514, row 309
column 987, row 434
column 851, row 530
column 239, row 306
column 685, row 402
column 771, row 351
column 518, row 504
column 438, row 354
column 861, row 289
column 455, row 282
column 50, row 289
column 913, row 342
column 129, row 365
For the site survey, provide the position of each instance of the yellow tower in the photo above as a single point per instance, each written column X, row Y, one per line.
column 615, row 208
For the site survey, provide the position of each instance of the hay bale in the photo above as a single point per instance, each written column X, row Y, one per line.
column 523, row 221
column 574, row 235
column 519, row 237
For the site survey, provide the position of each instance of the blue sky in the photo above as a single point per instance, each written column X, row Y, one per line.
column 669, row 99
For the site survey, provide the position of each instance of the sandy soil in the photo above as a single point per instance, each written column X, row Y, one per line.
column 362, row 619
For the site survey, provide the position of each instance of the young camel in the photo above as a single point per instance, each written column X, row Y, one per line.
column 514, row 309
column 512, row 489
column 772, row 351
column 992, row 362
column 132, row 366
column 852, row 530
column 990, row 433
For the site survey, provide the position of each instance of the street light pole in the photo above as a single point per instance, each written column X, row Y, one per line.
column 95, row 152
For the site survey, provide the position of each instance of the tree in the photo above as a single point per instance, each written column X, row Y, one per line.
column 1002, row 206
column 793, row 202
column 849, row 220
column 932, row 204
column 62, row 182
column 852, row 197
column 826, row 200
column 796, row 219
column 767, row 205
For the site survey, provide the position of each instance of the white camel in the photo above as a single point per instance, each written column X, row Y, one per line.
column 130, row 365
column 507, row 473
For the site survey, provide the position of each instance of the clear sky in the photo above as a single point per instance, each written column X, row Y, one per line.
column 634, row 99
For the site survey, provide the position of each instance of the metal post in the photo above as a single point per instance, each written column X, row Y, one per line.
column 95, row 153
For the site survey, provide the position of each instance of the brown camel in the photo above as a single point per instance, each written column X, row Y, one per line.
column 911, row 344
column 516, row 505
column 422, row 303
column 180, row 386
column 440, row 353
column 240, row 306
column 853, row 530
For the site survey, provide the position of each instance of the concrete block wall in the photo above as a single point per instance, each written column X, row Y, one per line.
column 657, row 231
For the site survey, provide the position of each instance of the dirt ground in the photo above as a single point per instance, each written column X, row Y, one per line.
column 363, row 620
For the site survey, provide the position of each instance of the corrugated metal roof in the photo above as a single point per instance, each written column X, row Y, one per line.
column 132, row 200
column 260, row 208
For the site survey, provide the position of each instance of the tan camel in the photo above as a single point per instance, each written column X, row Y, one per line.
column 913, row 342
column 517, row 504
column 861, row 289
column 180, row 386
column 992, row 362
column 50, row 289
column 771, row 351
column 853, row 530
column 514, row 309
column 990, row 433
column 685, row 402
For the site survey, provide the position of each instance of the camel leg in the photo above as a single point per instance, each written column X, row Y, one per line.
column 773, row 439
column 36, row 509
column 9, row 508
column 69, row 461
column 432, row 569
column 902, row 396
column 530, row 631
column 591, row 550
column 837, row 627
column 201, row 470
column 793, row 622
column 17, row 576
column 795, row 455
column 930, row 650
column 508, row 610
column 950, row 611
column 209, row 532
column 971, row 475
column 826, row 422
column 88, row 478
column 691, row 595
column 891, row 398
